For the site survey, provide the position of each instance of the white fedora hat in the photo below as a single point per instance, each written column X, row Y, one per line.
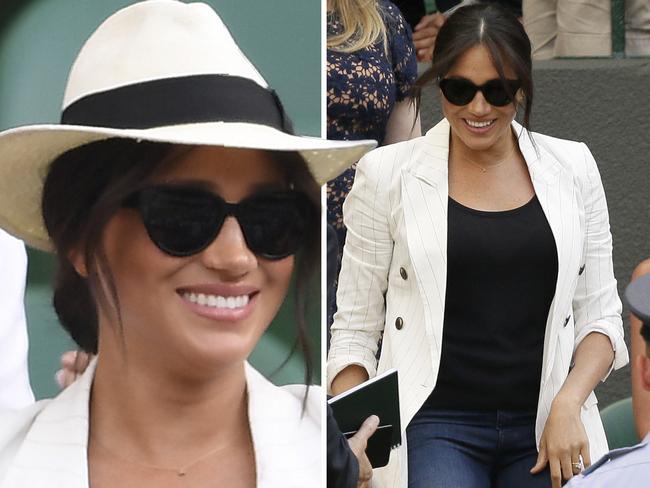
column 161, row 71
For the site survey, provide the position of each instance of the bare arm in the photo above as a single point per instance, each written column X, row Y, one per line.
column 403, row 123
column 640, row 396
column 593, row 358
column 350, row 377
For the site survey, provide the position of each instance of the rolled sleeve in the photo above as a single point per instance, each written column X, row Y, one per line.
column 363, row 280
column 596, row 304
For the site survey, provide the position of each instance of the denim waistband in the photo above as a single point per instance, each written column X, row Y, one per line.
column 493, row 418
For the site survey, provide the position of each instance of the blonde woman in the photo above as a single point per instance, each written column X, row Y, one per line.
column 371, row 68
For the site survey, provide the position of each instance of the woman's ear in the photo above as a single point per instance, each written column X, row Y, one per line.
column 519, row 97
column 78, row 261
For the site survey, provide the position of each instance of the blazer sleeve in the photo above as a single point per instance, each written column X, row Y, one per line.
column 596, row 305
column 363, row 280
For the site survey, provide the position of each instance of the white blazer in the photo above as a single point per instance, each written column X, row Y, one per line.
column 15, row 391
column 45, row 445
column 394, row 271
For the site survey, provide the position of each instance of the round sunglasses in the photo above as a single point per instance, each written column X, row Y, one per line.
column 184, row 220
column 461, row 91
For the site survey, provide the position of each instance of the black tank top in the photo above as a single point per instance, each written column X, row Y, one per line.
column 501, row 277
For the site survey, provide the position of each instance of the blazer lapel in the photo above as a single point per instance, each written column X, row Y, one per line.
column 54, row 451
column 285, row 454
column 425, row 192
column 556, row 193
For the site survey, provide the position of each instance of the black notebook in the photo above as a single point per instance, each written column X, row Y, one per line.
column 377, row 396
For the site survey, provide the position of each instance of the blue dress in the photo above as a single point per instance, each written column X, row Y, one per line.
column 362, row 89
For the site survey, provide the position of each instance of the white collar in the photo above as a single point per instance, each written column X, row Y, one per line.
column 430, row 161
column 53, row 451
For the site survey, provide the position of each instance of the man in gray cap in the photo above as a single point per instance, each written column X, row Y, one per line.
column 628, row 466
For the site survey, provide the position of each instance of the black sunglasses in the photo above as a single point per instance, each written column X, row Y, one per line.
column 184, row 220
column 461, row 91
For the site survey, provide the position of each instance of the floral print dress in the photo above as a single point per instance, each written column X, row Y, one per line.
column 362, row 89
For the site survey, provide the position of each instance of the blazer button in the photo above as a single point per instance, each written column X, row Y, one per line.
column 399, row 323
column 566, row 321
column 403, row 273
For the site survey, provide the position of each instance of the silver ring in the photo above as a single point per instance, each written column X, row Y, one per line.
column 576, row 466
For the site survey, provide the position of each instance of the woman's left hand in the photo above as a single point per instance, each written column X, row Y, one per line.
column 564, row 442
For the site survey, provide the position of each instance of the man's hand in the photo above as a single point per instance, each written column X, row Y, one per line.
column 425, row 33
column 358, row 443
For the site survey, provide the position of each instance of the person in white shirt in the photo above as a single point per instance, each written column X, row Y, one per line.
column 15, row 391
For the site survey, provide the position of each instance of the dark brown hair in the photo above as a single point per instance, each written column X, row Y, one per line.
column 84, row 188
column 489, row 25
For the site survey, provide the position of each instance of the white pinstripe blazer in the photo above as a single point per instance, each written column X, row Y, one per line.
column 394, row 271
column 45, row 445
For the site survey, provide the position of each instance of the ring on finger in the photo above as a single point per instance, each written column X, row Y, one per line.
column 577, row 467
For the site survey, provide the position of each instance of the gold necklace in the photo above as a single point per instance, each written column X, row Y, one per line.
column 485, row 169
column 179, row 471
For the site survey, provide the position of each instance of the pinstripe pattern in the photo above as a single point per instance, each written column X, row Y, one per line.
column 45, row 445
column 396, row 215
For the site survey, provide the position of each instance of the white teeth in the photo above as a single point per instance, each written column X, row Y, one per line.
column 217, row 301
column 472, row 123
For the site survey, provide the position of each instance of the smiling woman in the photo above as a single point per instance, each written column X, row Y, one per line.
column 179, row 204
column 481, row 256
column 39, row 37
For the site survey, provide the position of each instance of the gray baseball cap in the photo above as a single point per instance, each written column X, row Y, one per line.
column 637, row 296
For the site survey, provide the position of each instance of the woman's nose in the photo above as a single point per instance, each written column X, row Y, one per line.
column 479, row 106
column 228, row 253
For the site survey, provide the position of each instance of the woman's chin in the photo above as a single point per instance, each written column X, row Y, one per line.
column 224, row 351
column 476, row 142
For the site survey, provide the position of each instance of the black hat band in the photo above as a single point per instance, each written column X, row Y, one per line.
column 182, row 100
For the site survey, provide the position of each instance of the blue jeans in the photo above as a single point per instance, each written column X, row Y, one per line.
column 461, row 449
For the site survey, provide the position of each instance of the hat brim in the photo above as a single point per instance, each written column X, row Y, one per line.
column 27, row 152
